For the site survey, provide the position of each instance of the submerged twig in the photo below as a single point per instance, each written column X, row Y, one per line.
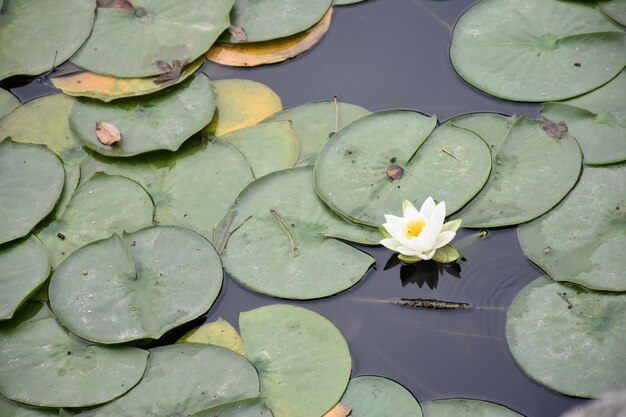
column 233, row 232
column 283, row 225
column 447, row 152
column 430, row 303
column 564, row 298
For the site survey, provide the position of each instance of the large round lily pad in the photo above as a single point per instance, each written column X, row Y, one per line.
column 532, row 171
column 43, row 121
column 461, row 407
column 100, row 207
column 24, row 266
column 615, row 9
column 582, row 240
column 14, row 409
column 303, row 360
column 587, row 359
column 27, row 173
column 532, row 54
column 163, row 120
column 277, row 240
column 371, row 166
column 8, row 102
column 193, row 187
column 181, row 380
column 597, row 120
column 270, row 19
column 154, row 32
column 315, row 123
column 253, row 407
column 37, row 35
column 268, row 147
column 43, row 364
column 374, row 396
column 118, row 290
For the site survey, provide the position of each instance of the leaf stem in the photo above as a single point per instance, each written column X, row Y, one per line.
column 283, row 225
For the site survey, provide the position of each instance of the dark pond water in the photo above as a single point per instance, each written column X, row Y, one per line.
column 385, row 54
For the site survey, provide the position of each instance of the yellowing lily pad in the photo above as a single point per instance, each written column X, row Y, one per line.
column 531, row 173
column 277, row 240
column 37, row 35
column 375, row 163
column 43, row 364
column 589, row 359
column 582, row 240
column 135, row 43
column 218, row 333
column 461, row 407
column 373, row 396
column 107, row 88
column 163, row 120
column 242, row 103
column 269, row 52
column 303, row 360
column 265, row 20
column 8, row 102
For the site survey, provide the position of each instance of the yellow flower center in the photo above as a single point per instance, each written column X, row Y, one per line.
column 414, row 228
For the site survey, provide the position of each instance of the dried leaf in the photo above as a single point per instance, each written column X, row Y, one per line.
column 238, row 33
column 172, row 72
column 116, row 4
column 553, row 130
column 339, row 410
column 108, row 133
column 395, row 172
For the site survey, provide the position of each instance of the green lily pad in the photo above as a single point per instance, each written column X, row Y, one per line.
column 597, row 120
column 193, row 187
column 24, row 266
column 43, row 121
column 181, row 380
column 38, row 35
column 345, row 2
column 582, row 240
column 531, row 173
column 615, row 9
column 157, row 30
column 589, row 361
column 374, row 396
column 268, row 147
column 8, row 102
column 277, row 240
column 461, row 407
column 27, row 172
column 303, row 360
column 72, row 179
column 491, row 127
column 316, row 122
column 352, row 173
column 102, row 206
column 253, row 407
column 43, row 364
column 263, row 20
column 118, row 290
column 163, row 120
column 533, row 54
column 14, row 409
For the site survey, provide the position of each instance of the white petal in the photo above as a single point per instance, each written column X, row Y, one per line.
column 427, row 255
column 424, row 242
column 437, row 217
column 444, row 238
column 428, row 207
column 410, row 211
column 390, row 218
column 451, row 226
column 390, row 243
column 407, row 251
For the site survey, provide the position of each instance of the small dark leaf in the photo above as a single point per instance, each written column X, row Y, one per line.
column 395, row 172
column 172, row 72
column 554, row 130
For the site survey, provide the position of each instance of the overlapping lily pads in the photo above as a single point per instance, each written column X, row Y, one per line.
column 531, row 173
column 547, row 50
column 277, row 240
column 597, row 120
column 183, row 380
column 302, row 359
column 40, row 34
column 373, row 396
column 315, row 123
column 582, row 240
column 118, row 290
column 24, row 266
column 193, row 187
column 385, row 158
column 461, row 407
column 43, row 121
column 8, row 102
column 100, row 207
column 270, row 19
column 14, row 409
column 26, row 171
column 160, row 121
column 131, row 41
column 254, row 407
column 589, row 359
column 218, row 333
column 43, row 364
column 615, row 9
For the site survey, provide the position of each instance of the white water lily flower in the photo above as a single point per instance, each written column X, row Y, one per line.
column 421, row 234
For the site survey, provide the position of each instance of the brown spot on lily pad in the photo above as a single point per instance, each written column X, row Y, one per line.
column 116, row 4
column 238, row 34
column 339, row 410
column 554, row 130
column 108, row 133
column 172, row 71
column 395, row 172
